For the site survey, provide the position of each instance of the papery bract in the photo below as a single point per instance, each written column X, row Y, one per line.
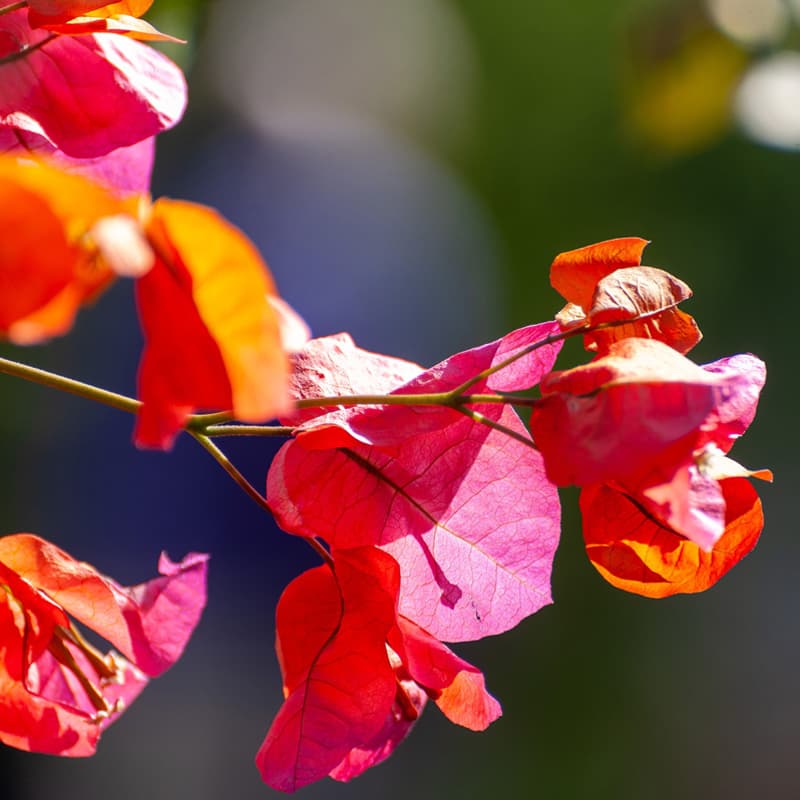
column 576, row 273
column 74, row 17
column 58, row 692
column 338, row 683
column 636, row 552
column 648, row 423
column 47, row 267
column 350, row 699
column 424, row 668
column 455, row 686
column 89, row 16
column 410, row 701
column 86, row 95
column 466, row 510
column 605, row 283
column 44, row 11
column 212, row 339
column 639, row 407
column 333, row 366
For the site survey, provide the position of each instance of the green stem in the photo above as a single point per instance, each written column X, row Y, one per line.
column 498, row 426
column 208, row 424
column 500, row 397
column 229, row 467
column 199, row 422
column 431, row 399
column 250, row 490
column 53, row 381
column 245, row 430
column 450, row 399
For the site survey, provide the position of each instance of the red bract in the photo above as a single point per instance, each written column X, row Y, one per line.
column 57, row 692
column 654, row 428
column 212, row 338
column 85, row 95
column 356, row 675
column 605, row 283
column 466, row 510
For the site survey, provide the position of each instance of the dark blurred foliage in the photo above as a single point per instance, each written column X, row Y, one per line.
column 606, row 695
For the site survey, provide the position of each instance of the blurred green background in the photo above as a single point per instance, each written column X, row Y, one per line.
column 410, row 168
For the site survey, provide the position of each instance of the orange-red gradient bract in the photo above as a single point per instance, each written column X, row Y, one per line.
column 634, row 551
column 645, row 432
column 73, row 17
column 57, row 691
column 63, row 10
column 46, row 268
column 212, row 338
column 605, row 283
column 357, row 674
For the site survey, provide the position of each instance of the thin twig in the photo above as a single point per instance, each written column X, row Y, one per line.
column 250, row 490
column 231, row 469
column 428, row 399
column 498, row 426
column 54, row 381
column 245, row 430
column 199, row 422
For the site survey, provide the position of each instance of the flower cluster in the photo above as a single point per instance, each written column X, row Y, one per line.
column 434, row 507
column 645, row 431
column 58, row 691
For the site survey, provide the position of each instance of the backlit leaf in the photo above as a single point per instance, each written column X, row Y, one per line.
column 339, row 685
column 466, row 510
column 576, row 273
column 87, row 95
column 212, row 339
column 635, row 552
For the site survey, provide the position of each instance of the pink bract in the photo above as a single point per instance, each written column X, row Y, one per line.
column 466, row 510
column 85, row 95
column 57, row 692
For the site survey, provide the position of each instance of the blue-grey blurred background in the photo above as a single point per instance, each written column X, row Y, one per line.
column 409, row 168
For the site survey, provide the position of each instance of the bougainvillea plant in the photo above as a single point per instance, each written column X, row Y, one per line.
column 433, row 508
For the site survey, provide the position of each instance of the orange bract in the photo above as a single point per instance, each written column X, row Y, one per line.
column 42, row 12
column 35, row 259
column 635, row 552
column 90, row 16
column 66, row 9
column 605, row 283
column 575, row 274
column 212, row 337
column 46, row 268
